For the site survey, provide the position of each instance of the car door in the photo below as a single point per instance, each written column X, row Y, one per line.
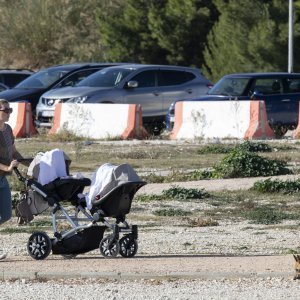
column 146, row 93
column 280, row 108
column 175, row 85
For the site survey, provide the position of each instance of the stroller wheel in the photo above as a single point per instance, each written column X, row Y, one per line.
column 128, row 246
column 109, row 246
column 39, row 245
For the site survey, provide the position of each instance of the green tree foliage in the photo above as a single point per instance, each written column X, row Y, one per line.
column 250, row 36
column 151, row 31
column 37, row 33
column 125, row 32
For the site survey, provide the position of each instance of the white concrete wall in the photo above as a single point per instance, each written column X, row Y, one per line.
column 93, row 120
column 213, row 119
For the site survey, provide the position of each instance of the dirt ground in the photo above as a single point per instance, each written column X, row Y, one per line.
column 159, row 256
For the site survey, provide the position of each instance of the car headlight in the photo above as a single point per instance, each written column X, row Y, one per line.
column 79, row 99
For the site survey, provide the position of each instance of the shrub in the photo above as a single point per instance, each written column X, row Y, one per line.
column 242, row 163
column 254, row 147
column 247, row 146
column 176, row 192
column 277, row 186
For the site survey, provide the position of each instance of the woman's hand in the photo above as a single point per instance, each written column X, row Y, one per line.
column 14, row 163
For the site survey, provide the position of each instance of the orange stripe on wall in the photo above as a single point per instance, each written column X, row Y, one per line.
column 19, row 129
column 56, row 120
column 259, row 127
column 178, row 119
column 129, row 132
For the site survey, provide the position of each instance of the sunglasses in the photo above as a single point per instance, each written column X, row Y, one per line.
column 7, row 110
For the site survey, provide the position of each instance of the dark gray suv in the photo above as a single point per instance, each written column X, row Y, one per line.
column 155, row 87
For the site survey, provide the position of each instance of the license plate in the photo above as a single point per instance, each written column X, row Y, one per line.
column 47, row 113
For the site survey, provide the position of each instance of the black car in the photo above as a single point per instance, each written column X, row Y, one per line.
column 280, row 91
column 11, row 77
column 53, row 77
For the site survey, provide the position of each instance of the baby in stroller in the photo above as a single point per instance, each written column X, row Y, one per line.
column 103, row 208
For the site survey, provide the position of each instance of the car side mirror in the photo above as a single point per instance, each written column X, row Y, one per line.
column 256, row 95
column 132, row 84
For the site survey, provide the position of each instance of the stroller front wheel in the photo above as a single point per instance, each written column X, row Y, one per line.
column 39, row 245
column 128, row 246
column 109, row 246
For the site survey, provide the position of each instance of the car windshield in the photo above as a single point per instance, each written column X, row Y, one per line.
column 229, row 86
column 106, row 77
column 41, row 79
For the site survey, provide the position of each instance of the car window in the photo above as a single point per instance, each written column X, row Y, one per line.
column 293, row 85
column 41, row 79
column 170, row 77
column 106, row 77
column 145, row 79
column 12, row 79
column 75, row 78
column 230, row 86
column 268, row 86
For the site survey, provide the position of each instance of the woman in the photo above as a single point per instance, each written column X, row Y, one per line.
column 8, row 160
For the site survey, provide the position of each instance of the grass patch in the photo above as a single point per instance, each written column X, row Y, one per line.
column 266, row 215
column 148, row 198
column 171, row 212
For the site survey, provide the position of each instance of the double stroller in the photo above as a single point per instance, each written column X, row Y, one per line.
column 98, row 218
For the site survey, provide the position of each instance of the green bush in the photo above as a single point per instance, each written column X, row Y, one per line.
column 254, row 147
column 276, row 186
column 223, row 149
column 242, row 163
column 176, row 192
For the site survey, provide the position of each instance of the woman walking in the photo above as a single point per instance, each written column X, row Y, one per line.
column 8, row 160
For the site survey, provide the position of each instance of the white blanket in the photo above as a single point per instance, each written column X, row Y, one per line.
column 99, row 180
column 52, row 166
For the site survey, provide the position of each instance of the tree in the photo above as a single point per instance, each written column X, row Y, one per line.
column 151, row 31
column 250, row 36
column 36, row 33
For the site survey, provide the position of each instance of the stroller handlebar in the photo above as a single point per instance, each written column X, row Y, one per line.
column 19, row 175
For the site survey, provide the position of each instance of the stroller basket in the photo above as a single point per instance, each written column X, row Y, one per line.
column 117, row 202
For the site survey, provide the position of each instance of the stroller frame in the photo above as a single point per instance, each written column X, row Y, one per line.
column 86, row 231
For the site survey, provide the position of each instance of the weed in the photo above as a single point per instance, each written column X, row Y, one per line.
column 171, row 212
column 176, row 192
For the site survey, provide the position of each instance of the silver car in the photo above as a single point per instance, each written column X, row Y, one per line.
column 155, row 87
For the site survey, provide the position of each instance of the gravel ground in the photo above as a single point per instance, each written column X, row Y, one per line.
column 271, row 288
column 170, row 241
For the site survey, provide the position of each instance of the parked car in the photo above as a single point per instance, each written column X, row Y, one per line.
column 11, row 77
column 53, row 77
column 155, row 87
column 280, row 91
column 3, row 87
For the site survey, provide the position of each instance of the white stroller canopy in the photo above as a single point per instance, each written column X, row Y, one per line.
column 107, row 177
column 47, row 166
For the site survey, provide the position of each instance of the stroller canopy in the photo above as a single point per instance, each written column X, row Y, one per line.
column 107, row 177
